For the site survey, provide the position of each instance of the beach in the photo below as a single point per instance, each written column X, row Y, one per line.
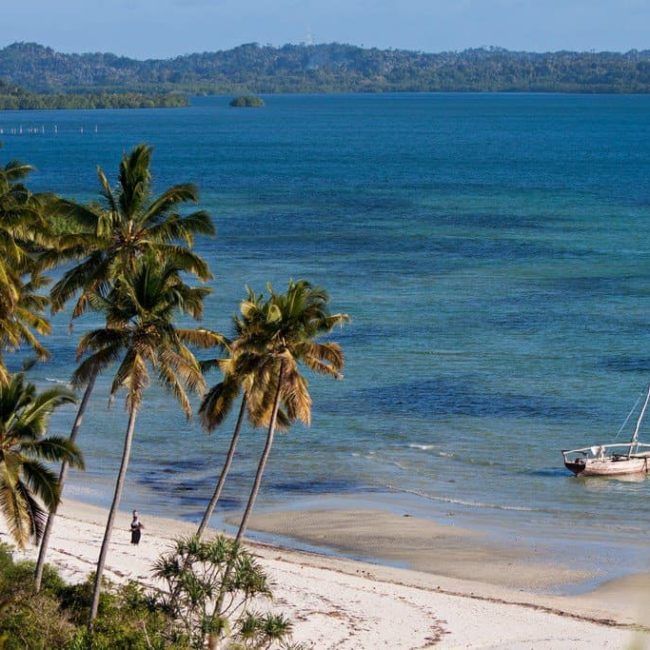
column 340, row 603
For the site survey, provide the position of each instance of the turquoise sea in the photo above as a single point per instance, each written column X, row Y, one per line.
column 494, row 254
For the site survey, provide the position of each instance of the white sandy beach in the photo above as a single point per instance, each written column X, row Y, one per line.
column 338, row 603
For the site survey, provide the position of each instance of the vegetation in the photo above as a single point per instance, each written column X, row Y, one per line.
column 24, row 234
column 332, row 67
column 197, row 573
column 247, row 101
column 140, row 332
column 24, row 477
column 129, row 257
column 130, row 616
column 15, row 98
column 107, row 238
column 282, row 332
column 239, row 376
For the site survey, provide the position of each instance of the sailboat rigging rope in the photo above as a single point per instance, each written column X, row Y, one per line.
column 638, row 399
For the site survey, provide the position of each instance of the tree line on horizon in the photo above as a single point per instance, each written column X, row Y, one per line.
column 128, row 257
column 16, row 98
column 332, row 67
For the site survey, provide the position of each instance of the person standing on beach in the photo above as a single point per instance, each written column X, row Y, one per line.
column 136, row 528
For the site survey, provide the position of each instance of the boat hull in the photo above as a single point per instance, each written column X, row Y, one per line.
column 608, row 466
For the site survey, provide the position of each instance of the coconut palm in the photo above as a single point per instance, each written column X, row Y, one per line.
column 282, row 337
column 140, row 335
column 110, row 237
column 127, row 222
column 239, row 376
column 27, row 485
column 23, row 318
column 17, row 225
column 23, row 233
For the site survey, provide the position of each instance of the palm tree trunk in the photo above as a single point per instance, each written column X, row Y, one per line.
column 263, row 460
column 45, row 541
column 119, row 485
column 256, row 487
column 224, row 471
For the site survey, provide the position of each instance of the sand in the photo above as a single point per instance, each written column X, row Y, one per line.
column 420, row 544
column 346, row 604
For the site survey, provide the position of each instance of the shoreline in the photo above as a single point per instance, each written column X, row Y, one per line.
column 341, row 603
column 595, row 554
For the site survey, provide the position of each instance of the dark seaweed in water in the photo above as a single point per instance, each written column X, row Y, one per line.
column 317, row 486
column 447, row 397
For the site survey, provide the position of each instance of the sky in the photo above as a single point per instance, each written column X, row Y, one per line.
column 167, row 28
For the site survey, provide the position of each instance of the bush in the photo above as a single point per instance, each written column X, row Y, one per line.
column 127, row 618
column 209, row 586
column 27, row 619
column 57, row 616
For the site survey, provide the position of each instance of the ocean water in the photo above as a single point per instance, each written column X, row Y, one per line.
column 493, row 253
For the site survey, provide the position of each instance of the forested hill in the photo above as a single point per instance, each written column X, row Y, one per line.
column 327, row 68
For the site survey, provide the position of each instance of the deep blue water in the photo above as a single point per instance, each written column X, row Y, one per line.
column 492, row 251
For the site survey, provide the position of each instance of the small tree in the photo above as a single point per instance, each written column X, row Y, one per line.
column 28, row 487
column 196, row 572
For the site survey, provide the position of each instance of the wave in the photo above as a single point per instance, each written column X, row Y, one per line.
column 62, row 382
column 471, row 504
column 415, row 445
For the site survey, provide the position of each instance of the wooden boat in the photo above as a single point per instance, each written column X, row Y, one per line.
column 614, row 459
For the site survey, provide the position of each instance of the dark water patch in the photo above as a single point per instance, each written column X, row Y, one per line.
column 189, row 491
column 603, row 285
column 521, row 322
column 315, row 486
column 443, row 397
column 552, row 472
column 625, row 363
column 482, row 247
column 179, row 465
column 500, row 221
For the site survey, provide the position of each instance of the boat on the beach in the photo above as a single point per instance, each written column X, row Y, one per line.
column 613, row 459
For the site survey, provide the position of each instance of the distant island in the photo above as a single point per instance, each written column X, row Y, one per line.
column 326, row 68
column 247, row 101
column 16, row 98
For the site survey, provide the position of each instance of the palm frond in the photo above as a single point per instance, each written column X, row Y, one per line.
column 42, row 482
column 217, row 403
column 56, row 449
column 14, row 510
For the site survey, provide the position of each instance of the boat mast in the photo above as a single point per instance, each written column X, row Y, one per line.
column 635, row 435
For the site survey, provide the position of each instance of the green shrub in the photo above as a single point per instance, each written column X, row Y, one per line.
column 183, row 616
column 127, row 618
column 209, row 586
column 29, row 620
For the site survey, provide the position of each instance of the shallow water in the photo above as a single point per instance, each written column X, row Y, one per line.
column 492, row 251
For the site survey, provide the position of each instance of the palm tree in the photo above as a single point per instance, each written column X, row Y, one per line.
column 239, row 376
column 23, row 318
column 26, row 483
column 23, row 233
column 282, row 335
column 110, row 237
column 124, row 225
column 16, row 227
column 140, row 334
